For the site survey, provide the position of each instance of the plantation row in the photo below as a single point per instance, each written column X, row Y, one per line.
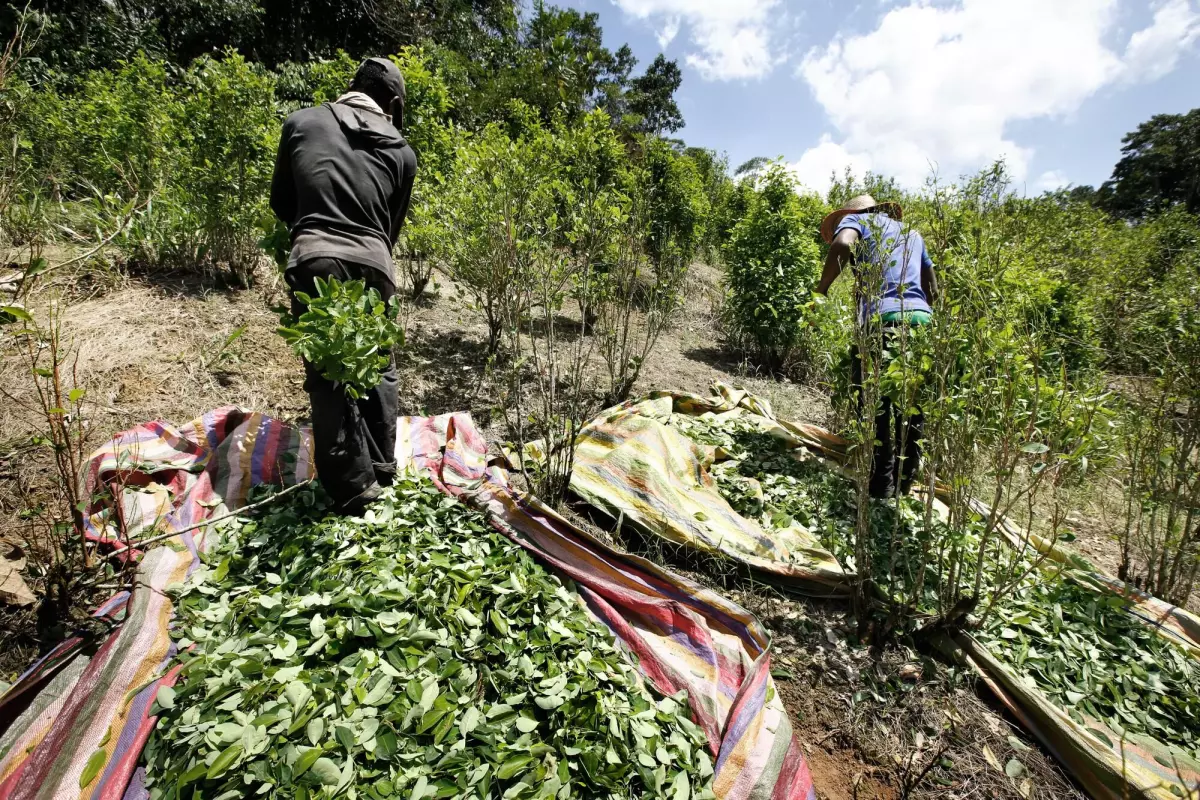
column 178, row 162
column 1044, row 300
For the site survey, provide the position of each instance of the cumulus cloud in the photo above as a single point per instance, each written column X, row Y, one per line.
column 816, row 168
column 1155, row 51
column 1050, row 180
column 938, row 86
column 667, row 33
column 731, row 39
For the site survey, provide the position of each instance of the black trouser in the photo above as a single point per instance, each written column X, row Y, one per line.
column 897, row 454
column 354, row 441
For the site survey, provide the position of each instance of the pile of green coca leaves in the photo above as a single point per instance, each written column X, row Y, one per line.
column 1078, row 644
column 763, row 480
column 412, row 653
column 1082, row 647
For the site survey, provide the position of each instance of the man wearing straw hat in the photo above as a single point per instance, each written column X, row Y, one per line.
column 896, row 287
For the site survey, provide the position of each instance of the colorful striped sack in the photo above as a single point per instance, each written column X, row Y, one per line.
column 685, row 636
column 82, row 734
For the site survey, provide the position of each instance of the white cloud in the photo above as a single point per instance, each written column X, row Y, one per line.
column 816, row 167
column 1154, row 52
column 1050, row 181
column 668, row 32
column 732, row 39
column 937, row 86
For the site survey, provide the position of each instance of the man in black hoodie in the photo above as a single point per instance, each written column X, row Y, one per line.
column 343, row 181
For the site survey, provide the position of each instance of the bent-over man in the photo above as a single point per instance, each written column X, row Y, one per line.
column 342, row 184
column 870, row 232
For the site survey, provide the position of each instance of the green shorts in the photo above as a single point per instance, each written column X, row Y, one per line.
column 911, row 317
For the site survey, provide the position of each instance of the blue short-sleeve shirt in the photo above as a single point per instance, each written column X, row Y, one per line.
column 902, row 255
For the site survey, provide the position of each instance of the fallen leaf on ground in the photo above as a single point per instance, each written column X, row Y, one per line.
column 13, row 589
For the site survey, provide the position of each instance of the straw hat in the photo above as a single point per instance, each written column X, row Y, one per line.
column 864, row 202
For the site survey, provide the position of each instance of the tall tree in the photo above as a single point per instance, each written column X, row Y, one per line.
column 1159, row 168
column 89, row 34
column 471, row 27
column 614, row 85
column 78, row 35
column 652, row 97
column 298, row 30
column 557, row 64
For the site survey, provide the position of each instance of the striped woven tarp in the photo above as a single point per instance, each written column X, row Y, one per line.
column 92, row 718
column 1108, row 766
column 685, row 636
column 26, row 690
column 635, row 468
column 97, row 709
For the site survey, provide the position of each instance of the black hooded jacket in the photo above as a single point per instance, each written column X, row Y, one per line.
column 342, row 184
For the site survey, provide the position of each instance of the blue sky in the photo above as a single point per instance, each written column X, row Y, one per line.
column 899, row 85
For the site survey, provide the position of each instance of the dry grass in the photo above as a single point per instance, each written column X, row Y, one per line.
column 146, row 350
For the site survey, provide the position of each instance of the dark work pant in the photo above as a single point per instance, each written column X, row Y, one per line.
column 897, row 454
column 354, row 441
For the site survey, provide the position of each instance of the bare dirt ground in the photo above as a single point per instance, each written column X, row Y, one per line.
column 173, row 346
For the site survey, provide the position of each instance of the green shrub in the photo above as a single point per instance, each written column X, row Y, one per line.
column 434, row 139
column 534, row 221
column 732, row 205
column 1144, row 300
column 197, row 152
column 772, row 265
column 427, row 107
column 496, row 213
column 713, row 171
column 41, row 130
column 300, row 85
column 113, row 134
column 679, row 206
column 1046, row 283
column 229, row 132
column 125, row 123
column 1159, row 330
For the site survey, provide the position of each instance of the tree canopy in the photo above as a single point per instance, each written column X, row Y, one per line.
column 652, row 97
column 492, row 52
column 1159, row 168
